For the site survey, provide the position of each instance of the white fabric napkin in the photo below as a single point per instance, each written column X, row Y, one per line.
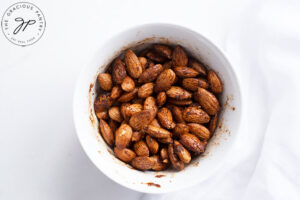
column 264, row 47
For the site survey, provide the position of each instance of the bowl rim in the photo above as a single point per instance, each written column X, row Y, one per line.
column 134, row 28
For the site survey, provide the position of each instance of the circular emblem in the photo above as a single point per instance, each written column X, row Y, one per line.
column 23, row 23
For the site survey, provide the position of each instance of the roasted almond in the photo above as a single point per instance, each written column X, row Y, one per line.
column 102, row 103
column 128, row 84
column 192, row 143
column 128, row 96
column 143, row 62
column 178, row 93
column 118, row 71
column 115, row 114
column 164, row 155
column 179, row 57
column 177, row 114
column 141, row 149
column 163, row 50
column 134, row 67
column 143, row 163
column 165, row 80
column 152, row 144
column 155, row 56
column 161, row 98
column 125, row 154
column 180, row 129
column 141, row 119
column 151, row 73
column 123, row 136
column 159, row 165
column 208, row 101
column 157, row 132
column 183, row 154
column 193, row 83
column 167, row 140
column 105, row 81
column 116, row 92
column 213, row 123
column 137, row 136
column 123, row 111
column 199, row 130
column 195, row 115
column 133, row 109
column 197, row 66
column 102, row 115
column 150, row 105
column 155, row 123
column 214, row 82
column 145, row 90
column 165, row 118
column 106, row 132
column 177, row 163
column 185, row 72
column 180, row 102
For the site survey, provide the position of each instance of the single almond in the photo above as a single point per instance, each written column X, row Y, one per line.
column 185, row 72
column 123, row 111
column 118, row 71
column 151, row 73
column 208, row 101
column 199, row 130
column 115, row 114
column 143, row 62
column 133, row 109
column 180, row 129
column 142, row 163
column 193, row 83
column 197, row 66
column 125, row 154
column 183, row 154
column 179, row 57
column 161, row 99
column 176, row 162
column 116, row 92
column 165, row 118
column 134, row 67
column 123, row 136
column 150, row 105
column 141, row 149
column 163, row 50
column 102, row 102
column 102, row 115
column 178, row 93
column 155, row 56
column 128, row 84
column 177, row 114
column 214, row 82
column 106, row 132
column 152, row 144
column 159, row 165
column 195, row 115
column 167, row 140
column 128, row 96
column 141, row 119
column 213, row 123
column 157, row 132
column 164, row 155
column 145, row 90
column 165, row 80
column 137, row 136
column 105, row 81
column 192, row 143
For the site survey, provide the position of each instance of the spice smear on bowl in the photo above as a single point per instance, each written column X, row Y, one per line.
column 159, row 108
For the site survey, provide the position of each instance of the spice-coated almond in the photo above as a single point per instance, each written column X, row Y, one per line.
column 167, row 140
column 116, row 92
column 155, row 123
column 185, row 72
column 155, row 56
column 213, row 123
column 106, row 132
column 159, row 165
column 151, row 73
column 164, row 155
column 118, row 71
column 141, row 148
column 128, row 84
column 177, row 114
column 137, row 136
column 133, row 64
column 193, row 83
column 199, row 130
column 161, row 98
column 208, row 101
column 102, row 115
column 192, row 143
column 125, row 154
column 157, row 132
column 123, row 136
column 183, row 154
column 128, row 96
column 152, row 144
column 165, row 80
column 196, row 115
column 102, row 102
column 165, row 118
column 179, row 57
column 133, row 109
column 105, row 81
column 143, row 62
column 141, row 119
column 214, row 82
column 179, row 93
column 150, row 105
column 115, row 114
column 163, row 50
column 145, row 90
column 180, row 129
column 143, row 163
column 176, row 162
column 197, row 66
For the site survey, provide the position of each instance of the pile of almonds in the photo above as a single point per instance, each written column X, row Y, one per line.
column 158, row 109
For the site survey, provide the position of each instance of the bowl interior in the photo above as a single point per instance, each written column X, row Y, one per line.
column 200, row 168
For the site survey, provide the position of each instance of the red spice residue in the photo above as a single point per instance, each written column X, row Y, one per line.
column 153, row 184
column 159, row 176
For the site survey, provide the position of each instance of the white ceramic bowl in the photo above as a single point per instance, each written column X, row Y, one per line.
column 202, row 167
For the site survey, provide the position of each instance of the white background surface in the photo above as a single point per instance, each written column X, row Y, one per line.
column 40, row 156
